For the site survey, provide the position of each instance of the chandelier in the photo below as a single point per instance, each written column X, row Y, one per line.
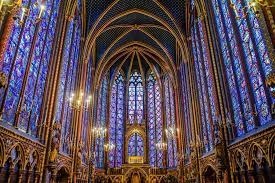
column 79, row 102
column 161, row 146
column 24, row 11
column 99, row 132
column 109, row 147
column 171, row 132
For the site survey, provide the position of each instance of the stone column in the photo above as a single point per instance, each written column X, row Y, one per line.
column 8, row 24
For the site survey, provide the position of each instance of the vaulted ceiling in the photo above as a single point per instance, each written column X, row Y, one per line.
column 153, row 27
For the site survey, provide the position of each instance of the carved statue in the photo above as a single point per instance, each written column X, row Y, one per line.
column 55, row 141
column 79, row 157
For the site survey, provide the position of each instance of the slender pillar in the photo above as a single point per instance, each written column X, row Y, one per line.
column 8, row 24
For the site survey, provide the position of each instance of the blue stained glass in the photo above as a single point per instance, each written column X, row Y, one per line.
column 207, row 135
column 101, row 121
column 31, row 102
column 67, row 119
column 208, row 71
column 264, row 63
column 30, row 109
column 18, row 71
column 230, row 72
column 63, row 74
column 135, row 145
column 185, row 104
column 203, row 120
column 135, row 101
column 247, row 108
column 253, row 46
column 87, row 113
column 116, row 121
column 253, row 69
column 155, row 121
column 170, row 123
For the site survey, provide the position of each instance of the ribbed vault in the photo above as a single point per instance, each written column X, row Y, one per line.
column 152, row 29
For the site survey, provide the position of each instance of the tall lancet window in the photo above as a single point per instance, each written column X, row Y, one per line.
column 135, row 101
column 67, row 82
column 101, row 122
column 26, row 65
column 116, row 130
column 247, row 64
column 155, row 122
column 171, row 131
column 205, row 83
column 86, row 122
column 136, row 145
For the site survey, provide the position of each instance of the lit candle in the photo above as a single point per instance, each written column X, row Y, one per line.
column 42, row 8
column 254, row 6
column 23, row 14
column 1, row 4
column 36, row 121
column 236, row 12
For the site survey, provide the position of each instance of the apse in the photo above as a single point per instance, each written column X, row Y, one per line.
column 141, row 128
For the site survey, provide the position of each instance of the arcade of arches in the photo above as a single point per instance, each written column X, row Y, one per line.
column 137, row 91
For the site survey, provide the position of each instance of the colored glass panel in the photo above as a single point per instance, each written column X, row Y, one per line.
column 101, row 122
column 155, row 121
column 135, row 101
column 117, row 121
column 21, row 62
column 170, row 123
column 135, row 145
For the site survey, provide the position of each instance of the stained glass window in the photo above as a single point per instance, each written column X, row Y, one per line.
column 87, row 113
column 205, row 83
column 135, row 101
column 170, row 123
column 247, row 63
column 136, row 145
column 66, row 85
column 116, row 128
column 186, row 110
column 155, row 123
column 101, row 122
column 26, row 64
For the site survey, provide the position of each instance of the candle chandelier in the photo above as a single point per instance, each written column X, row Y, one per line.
column 99, row 132
column 24, row 11
column 109, row 147
column 171, row 132
column 161, row 146
column 79, row 102
column 251, row 7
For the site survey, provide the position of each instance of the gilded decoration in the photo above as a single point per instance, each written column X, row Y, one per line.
column 160, row 33
column 17, row 149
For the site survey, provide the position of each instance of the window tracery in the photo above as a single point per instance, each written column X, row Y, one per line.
column 136, row 145
column 170, row 123
column 26, row 64
column 101, row 118
column 135, row 101
column 116, row 129
column 247, row 64
column 155, row 122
